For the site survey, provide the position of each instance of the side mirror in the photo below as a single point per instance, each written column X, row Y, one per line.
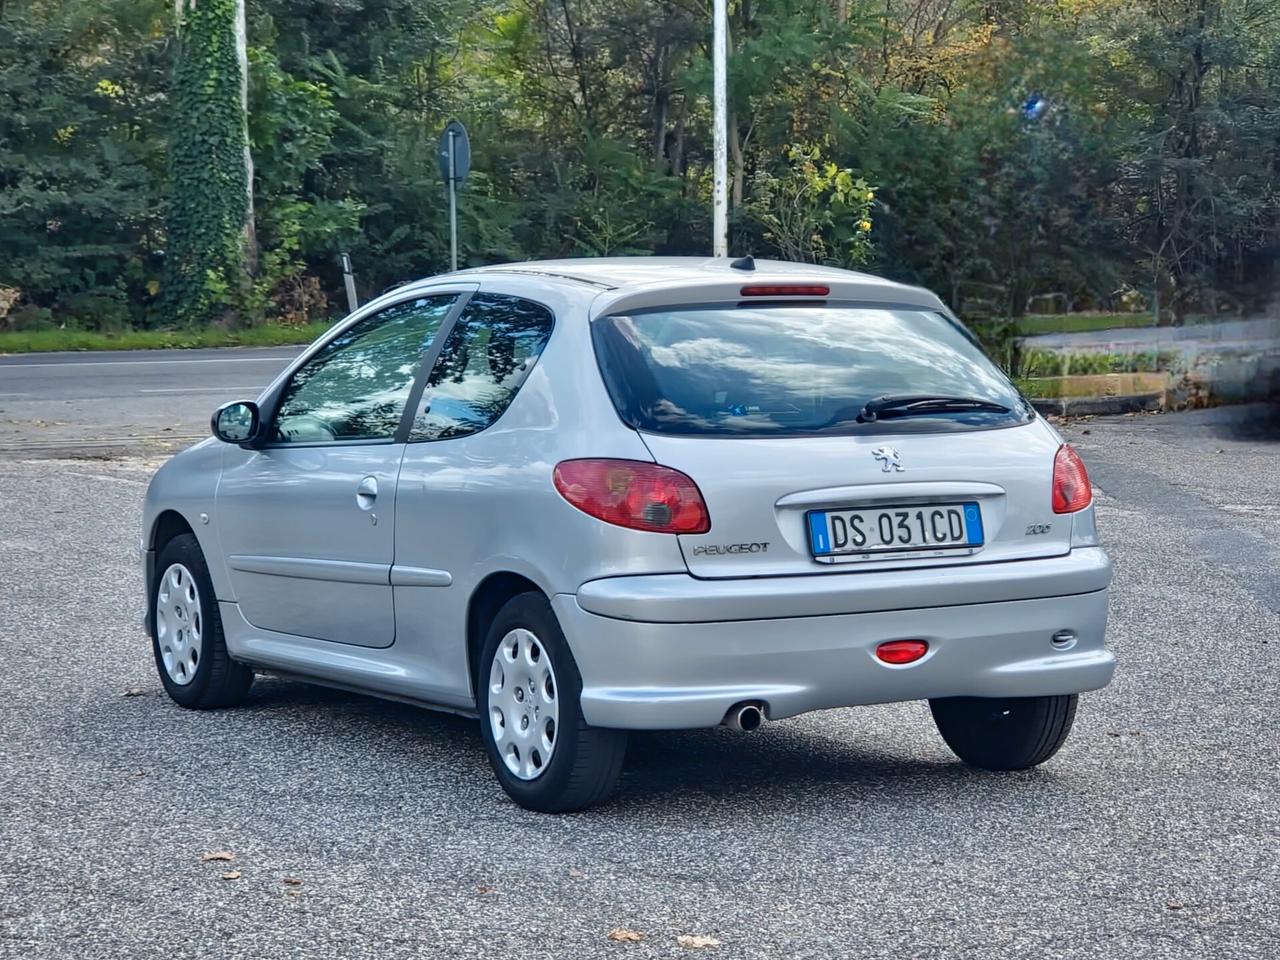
column 236, row 422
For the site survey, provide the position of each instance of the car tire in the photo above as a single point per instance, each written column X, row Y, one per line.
column 525, row 654
column 1011, row 733
column 186, row 632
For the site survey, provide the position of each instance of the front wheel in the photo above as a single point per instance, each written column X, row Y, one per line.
column 1009, row 733
column 527, row 690
column 186, row 632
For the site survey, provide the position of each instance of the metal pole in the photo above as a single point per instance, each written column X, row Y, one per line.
column 453, row 205
column 353, row 301
column 720, row 161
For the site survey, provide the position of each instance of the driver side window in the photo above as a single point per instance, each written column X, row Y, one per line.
column 357, row 385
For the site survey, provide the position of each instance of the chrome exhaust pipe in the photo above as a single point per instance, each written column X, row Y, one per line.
column 744, row 718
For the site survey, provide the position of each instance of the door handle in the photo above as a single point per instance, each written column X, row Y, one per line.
column 367, row 493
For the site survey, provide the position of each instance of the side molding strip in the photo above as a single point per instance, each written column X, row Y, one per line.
column 403, row 576
column 300, row 568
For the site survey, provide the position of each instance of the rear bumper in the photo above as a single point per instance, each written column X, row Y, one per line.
column 680, row 598
column 662, row 674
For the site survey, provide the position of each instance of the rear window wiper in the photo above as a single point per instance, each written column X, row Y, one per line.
column 911, row 405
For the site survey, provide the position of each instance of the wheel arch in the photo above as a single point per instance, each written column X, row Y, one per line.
column 485, row 602
column 167, row 525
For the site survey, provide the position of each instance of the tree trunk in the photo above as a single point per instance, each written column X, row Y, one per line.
column 211, row 253
column 242, row 55
column 739, row 161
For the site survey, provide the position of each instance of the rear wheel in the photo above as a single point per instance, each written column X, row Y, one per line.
column 186, row 632
column 528, row 688
column 1010, row 733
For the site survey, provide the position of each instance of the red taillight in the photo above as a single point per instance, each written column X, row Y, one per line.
column 630, row 493
column 786, row 290
column 902, row 651
column 1071, row 489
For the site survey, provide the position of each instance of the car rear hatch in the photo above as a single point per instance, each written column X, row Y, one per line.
column 760, row 495
column 828, row 437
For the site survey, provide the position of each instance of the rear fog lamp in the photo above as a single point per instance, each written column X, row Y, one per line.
column 902, row 651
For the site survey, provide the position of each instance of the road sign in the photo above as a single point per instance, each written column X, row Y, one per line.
column 455, row 137
column 455, row 164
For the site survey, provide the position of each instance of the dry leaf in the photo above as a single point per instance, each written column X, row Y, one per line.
column 696, row 941
column 231, row 875
column 623, row 935
column 134, row 692
column 293, row 881
column 576, row 873
column 217, row 855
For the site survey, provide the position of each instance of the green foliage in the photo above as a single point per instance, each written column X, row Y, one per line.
column 1046, row 363
column 1148, row 184
column 814, row 211
column 39, row 341
column 208, row 253
column 79, row 163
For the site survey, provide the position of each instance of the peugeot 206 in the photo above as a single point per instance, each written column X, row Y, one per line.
column 578, row 498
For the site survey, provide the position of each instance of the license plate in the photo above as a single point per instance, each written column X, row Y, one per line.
column 934, row 529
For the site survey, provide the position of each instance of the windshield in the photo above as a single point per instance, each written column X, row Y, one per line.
column 777, row 370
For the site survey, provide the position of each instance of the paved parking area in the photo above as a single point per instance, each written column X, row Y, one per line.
column 850, row 833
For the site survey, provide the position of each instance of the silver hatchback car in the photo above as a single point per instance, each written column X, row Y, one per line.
column 578, row 498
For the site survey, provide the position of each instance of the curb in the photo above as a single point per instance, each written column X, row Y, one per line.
column 1098, row 406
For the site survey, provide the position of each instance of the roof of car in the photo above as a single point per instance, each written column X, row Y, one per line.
column 617, row 273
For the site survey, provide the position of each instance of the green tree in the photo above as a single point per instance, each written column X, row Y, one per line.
column 212, row 249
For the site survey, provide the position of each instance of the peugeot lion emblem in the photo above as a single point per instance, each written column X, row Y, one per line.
column 890, row 457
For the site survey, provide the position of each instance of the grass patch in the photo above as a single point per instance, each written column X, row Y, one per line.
column 51, row 341
column 1050, row 363
column 1031, row 326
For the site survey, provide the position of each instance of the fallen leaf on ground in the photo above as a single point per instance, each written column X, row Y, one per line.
column 217, row 855
column 696, row 941
column 293, row 881
column 134, row 692
column 623, row 935
column 231, row 875
column 576, row 873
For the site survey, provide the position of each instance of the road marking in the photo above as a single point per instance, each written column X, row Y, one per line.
column 183, row 390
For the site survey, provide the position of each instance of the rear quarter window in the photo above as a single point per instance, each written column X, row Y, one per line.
column 777, row 370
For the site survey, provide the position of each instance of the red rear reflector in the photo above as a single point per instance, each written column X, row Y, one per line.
column 786, row 290
column 1071, row 488
column 902, row 651
column 634, row 494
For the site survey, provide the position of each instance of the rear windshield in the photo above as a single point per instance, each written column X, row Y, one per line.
column 794, row 370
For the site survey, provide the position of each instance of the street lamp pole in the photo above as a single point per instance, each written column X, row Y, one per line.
column 720, row 146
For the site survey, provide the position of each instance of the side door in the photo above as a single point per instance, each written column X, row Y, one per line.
column 307, row 521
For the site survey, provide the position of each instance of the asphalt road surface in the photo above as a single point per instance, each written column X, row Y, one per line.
column 843, row 834
column 114, row 402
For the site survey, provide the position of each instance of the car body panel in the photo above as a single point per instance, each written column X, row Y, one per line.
column 306, row 554
column 681, row 598
column 759, row 491
column 676, row 676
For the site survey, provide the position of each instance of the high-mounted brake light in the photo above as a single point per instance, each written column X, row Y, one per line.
column 634, row 494
column 786, row 290
column 1071, row 488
